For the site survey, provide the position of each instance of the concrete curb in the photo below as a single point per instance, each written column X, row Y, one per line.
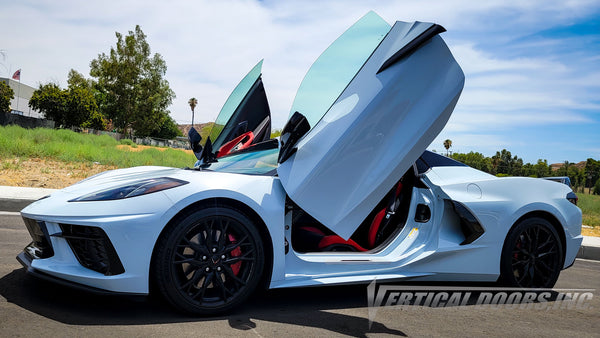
column 13, row 199
column 17, row 198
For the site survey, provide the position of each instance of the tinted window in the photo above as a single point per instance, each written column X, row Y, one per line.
column 430, row 159
column 234, row 100
column 336, row 67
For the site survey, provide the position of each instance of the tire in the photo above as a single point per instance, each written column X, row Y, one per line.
column 532, row 256
column 209, row 261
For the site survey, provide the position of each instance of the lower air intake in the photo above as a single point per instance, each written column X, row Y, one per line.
column 93, row 248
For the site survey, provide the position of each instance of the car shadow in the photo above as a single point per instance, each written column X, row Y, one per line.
column 300, row 306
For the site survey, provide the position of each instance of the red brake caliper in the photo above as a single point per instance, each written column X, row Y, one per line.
column 235, row 267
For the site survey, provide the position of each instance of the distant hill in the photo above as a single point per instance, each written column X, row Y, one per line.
column 556, row 166
column 202, row 128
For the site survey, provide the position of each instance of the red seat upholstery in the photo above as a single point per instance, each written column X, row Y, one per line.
column 379, row 223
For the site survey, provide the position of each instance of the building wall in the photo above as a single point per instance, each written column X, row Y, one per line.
column 20, row 103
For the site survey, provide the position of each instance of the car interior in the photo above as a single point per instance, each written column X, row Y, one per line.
column 381, row 226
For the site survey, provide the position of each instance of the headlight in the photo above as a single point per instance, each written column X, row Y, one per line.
column 138, row 188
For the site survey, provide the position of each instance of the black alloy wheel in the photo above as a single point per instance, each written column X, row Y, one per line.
column 532, row 256
column 210, row 261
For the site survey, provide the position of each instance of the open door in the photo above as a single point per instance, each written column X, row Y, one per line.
column 394, row 90
column 245, row 118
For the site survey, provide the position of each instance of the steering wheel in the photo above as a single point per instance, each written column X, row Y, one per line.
column 241, row 142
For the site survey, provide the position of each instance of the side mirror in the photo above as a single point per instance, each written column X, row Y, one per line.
column 194, row 138
column 293, row 131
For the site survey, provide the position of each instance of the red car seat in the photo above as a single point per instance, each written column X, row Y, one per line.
column 375, row 234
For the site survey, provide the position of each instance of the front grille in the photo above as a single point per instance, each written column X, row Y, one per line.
column 93, row 248
column 41, row 246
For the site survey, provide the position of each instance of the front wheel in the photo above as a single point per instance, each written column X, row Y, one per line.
column 532, row 255
column 209, row 261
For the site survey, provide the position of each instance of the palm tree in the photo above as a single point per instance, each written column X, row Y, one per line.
column 193, row 103
column 447, row 145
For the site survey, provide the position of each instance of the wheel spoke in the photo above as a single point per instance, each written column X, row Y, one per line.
column 184, row 258
column 523, row 275
column 243, row 257
column 202, row 290
column 231, row 275
column 237, row 244
column 224, row 289
column 187, row 286
column 223, row 235
column 548, row 241
column 544, row 254
column 189, row 244
column 545, row 266
column 520, row 261
column 521, row 251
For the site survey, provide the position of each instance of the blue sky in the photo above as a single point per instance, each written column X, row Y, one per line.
column 532, row 67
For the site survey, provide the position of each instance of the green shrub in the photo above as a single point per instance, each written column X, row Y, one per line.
column 127, row 142
column 597, row 187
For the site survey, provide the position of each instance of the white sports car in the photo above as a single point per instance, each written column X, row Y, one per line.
column 346, row 195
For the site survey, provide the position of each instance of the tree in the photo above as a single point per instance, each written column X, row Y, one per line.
column 132, row 91
column 592, row 171
column 577, row 177
column 168, row 130
column 541, row 168
column 6, row 94
column 505, row 163
column 51, row 101
column 474, row 160
column 82, row 108
column 597, row 187
column 72, row 107
column 447, row 145
column 193, row 103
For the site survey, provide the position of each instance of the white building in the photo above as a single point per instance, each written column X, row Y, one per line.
column 20, row 103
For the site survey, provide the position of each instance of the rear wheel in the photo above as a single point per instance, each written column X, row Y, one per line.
column 532, row 255
column 209, row 261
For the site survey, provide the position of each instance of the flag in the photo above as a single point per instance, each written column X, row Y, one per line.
column 17, row 75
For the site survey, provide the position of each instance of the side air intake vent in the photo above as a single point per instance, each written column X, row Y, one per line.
column 92, row 248
column 40, row 247
column 469, row 224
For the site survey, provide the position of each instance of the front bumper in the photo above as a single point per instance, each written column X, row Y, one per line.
column 107, row 253
column 26, row 261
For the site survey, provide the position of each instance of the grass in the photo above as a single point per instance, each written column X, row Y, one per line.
column 69, row 146
column 590, row 206
column 128, row 142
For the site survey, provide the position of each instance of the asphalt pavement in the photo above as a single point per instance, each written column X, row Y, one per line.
column 30, row 307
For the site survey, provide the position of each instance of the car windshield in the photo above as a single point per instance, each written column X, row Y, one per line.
column 261, row 162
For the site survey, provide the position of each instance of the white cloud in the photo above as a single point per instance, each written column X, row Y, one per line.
column 210, row 45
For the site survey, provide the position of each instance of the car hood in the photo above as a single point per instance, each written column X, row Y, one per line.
column 399, row 89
